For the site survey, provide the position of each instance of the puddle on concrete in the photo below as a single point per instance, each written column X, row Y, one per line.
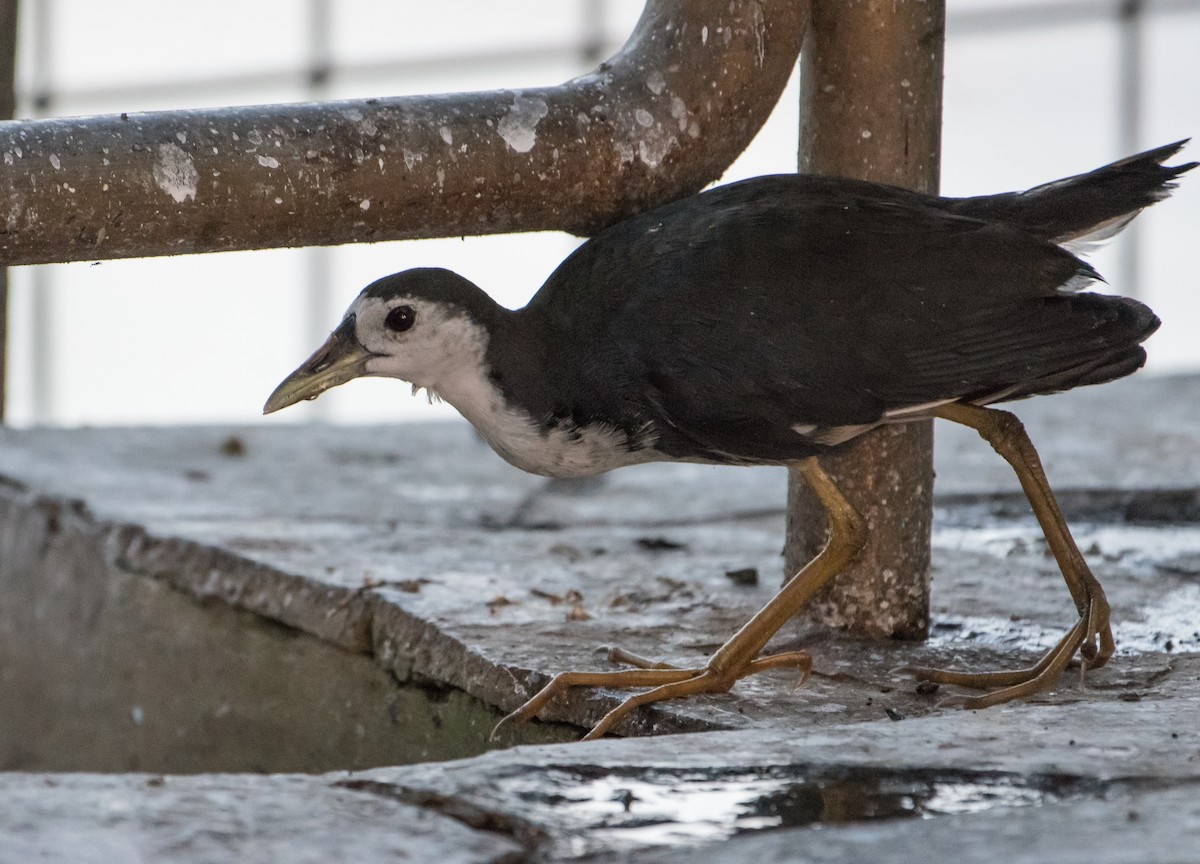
column 614, row 810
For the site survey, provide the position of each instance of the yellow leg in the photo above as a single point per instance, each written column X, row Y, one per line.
column 799, row 659
column 1092, row 635
column 738, row 657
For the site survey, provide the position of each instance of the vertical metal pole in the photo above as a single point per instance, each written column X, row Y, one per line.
column 870, row 108
column 1131, row 22
column 8, row 100
column 42, row 376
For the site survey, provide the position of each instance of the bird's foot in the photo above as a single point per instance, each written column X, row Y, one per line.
column 664, row 680
column 1091, row 638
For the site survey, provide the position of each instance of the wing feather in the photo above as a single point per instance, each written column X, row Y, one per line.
column 745, row 318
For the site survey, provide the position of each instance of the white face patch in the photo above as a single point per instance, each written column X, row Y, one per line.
column 442, row 344
column 445, row 352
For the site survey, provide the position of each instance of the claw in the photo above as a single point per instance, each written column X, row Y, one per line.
column 494, row 736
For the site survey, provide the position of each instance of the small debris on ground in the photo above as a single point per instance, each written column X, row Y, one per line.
column 625, row 798
column 566, row 550
column 233, row 446
column 658, row 544
column 746, row 576
column 497, row 603
column 408, row 586
column 571, row 596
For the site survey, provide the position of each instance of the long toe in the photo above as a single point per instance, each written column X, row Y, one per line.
column 1006, row 685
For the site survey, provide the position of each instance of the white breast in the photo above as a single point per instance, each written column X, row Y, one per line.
column 530, row 446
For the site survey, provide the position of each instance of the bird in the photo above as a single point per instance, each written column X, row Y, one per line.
column 768, row 322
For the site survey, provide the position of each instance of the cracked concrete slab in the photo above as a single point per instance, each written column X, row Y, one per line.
column 151, row 569
column 1127, row 827
column 867, row 785
column 478, row 560
column 129, row 819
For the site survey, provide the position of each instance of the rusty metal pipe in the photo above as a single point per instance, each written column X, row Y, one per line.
column 661, row 119
column 871, row 108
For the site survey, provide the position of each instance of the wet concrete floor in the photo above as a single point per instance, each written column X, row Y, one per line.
column 198, row 600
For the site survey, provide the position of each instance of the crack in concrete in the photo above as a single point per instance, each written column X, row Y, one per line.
column 1124, row 506
column 481, row 818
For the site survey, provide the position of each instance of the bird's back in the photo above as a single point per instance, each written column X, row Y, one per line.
column 734, row 318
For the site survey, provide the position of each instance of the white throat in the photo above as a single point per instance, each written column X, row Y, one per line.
column 524, row 442
column 448, row 357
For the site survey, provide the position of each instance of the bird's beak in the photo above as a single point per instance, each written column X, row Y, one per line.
column 339, row 360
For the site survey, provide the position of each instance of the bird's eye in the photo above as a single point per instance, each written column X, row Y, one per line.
column 400, row 318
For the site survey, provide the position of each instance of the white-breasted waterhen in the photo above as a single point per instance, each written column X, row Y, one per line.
column 765, row 322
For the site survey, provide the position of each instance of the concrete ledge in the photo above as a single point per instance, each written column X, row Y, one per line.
column 201, row 600
column 129, row 819
column 870, row 786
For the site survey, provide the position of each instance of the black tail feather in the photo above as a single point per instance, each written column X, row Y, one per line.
column 1094, row 205
column 1106, row 346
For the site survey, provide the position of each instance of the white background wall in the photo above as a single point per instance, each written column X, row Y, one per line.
column 205, row 338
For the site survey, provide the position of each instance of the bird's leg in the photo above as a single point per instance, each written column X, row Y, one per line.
column 738, row 657
column 1092, row 635
column 620, row 655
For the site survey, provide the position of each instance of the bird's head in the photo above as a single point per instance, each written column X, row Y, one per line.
column 424, row 326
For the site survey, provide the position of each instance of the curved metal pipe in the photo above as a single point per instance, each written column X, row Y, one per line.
column 661, row 119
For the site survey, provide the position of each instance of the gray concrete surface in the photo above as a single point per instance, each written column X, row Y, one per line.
column 130, row 819
column 1137, row 827
column 875, row 786
column 198, row 600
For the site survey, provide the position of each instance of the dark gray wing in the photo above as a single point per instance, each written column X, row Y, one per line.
column 743, row 319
